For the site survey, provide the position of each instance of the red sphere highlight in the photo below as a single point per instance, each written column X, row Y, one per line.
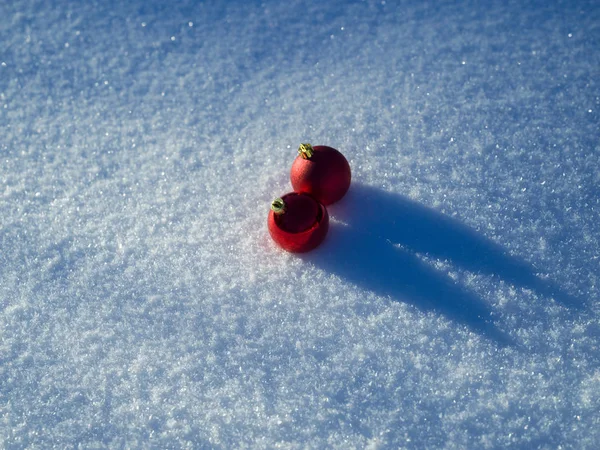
column 302, row 226
column 325, row 174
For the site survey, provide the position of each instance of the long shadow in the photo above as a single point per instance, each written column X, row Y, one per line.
column 361, row 249
column 374, row 264
column 422, row 230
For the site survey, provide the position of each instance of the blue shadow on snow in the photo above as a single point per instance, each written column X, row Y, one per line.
column 363, row 252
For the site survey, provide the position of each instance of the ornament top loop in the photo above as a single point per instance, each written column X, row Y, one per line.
column 306, row 151
column 278, row 206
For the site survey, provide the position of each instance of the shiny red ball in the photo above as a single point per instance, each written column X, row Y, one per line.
column 301, row 225
column 322, row 172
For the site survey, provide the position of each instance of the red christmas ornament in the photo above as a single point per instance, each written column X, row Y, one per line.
column 322, row 172
column 297, row 222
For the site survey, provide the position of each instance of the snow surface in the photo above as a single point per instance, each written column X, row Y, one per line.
column 455, row 302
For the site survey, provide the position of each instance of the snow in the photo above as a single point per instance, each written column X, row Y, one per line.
column 454, row 303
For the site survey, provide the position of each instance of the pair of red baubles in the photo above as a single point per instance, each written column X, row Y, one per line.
column 320, row 176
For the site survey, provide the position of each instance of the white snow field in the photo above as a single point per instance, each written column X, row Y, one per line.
column 454, row 303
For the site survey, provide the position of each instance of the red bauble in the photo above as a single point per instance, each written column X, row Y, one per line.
column 297, row 222
column 322, row 172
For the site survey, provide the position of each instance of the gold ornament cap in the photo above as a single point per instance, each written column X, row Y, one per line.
column 306, row 151
column 278, row 206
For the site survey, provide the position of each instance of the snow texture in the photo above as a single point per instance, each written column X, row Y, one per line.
column 454, row 303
